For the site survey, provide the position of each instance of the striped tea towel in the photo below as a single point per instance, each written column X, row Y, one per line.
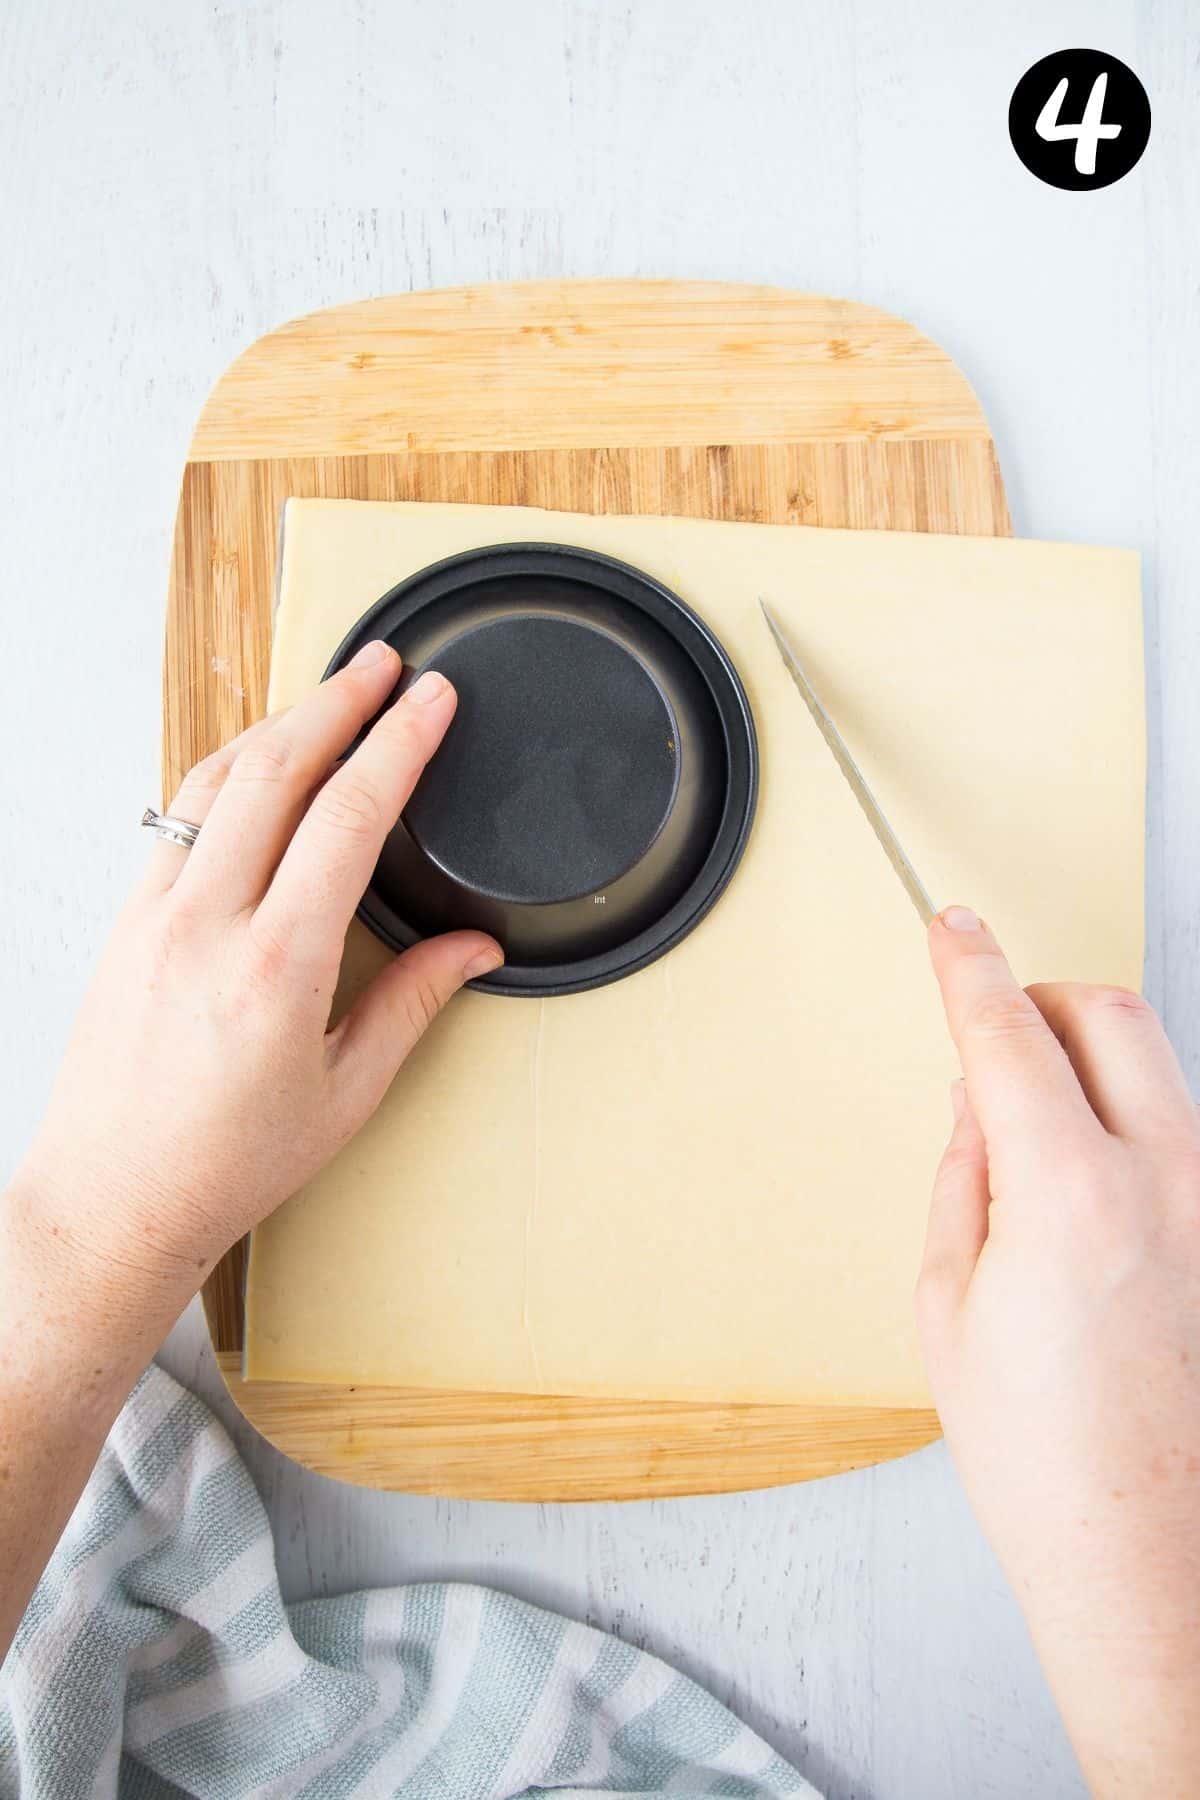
column 157, row 1659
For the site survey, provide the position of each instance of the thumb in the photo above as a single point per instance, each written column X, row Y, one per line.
column 394, row 1013
column 958, row 1218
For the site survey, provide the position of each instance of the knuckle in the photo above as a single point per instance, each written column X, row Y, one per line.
column 265, row 761
column 182, row 915
column 1120, row 1000
column 1001, row 1014
column 422, row 1004
column 205, row 777
column 349, row 807
column 269, row 953
column 402, row 731
column 190, row 911
column 168, row 939
column 957, row 1163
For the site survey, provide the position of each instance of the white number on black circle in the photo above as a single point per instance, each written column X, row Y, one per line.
column 1090, row 129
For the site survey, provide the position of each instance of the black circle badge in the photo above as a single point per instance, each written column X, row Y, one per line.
column 1079, row 119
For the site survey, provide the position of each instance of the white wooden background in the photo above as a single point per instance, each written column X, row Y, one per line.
column 177, row 176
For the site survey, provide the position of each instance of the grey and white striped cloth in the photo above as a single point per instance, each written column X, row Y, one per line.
column 157, row 1659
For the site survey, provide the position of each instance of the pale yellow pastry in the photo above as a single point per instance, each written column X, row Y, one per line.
column 710, row 1179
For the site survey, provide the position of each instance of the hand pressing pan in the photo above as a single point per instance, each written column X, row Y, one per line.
column 597, row 786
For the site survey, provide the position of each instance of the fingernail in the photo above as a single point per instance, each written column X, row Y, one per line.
column 430, row 686
column 370, row 654
column 961, row 918
column 483, row 964
column 958, row 1098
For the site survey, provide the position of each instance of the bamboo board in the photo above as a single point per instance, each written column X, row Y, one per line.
column 700, row 399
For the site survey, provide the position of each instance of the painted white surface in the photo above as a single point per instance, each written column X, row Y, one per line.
column 179, row 177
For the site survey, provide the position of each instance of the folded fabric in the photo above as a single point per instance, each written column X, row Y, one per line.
column 157, row 1659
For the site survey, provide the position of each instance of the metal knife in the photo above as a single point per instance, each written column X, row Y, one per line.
column 876, row 819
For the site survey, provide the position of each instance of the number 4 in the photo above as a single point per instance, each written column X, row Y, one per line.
column 1087, row 133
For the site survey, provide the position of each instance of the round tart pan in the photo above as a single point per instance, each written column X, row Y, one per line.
column 596, row 788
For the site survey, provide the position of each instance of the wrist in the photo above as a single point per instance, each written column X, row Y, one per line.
column 1122, row 1660
column 80, row 1263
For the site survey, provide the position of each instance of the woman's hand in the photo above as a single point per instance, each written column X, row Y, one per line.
column 202, row 1085
column 1060, row 1311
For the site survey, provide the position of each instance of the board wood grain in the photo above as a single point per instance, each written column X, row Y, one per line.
column 699, row 399
column 571, row 1449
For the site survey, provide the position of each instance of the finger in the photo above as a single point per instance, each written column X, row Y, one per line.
column 329, row 861
column 270, row 782
column 1022, row 1088
column 1122, row 1057
column 193, row 801
column 384, row 1024
column 958, row 1217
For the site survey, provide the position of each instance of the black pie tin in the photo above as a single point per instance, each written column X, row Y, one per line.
column 596, row 788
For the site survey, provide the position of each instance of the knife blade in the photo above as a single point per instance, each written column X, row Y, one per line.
column 875, row 816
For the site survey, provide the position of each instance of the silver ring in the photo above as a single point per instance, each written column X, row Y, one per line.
column 172, row 831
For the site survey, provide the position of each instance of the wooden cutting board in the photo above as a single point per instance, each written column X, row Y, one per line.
column 701, row 399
